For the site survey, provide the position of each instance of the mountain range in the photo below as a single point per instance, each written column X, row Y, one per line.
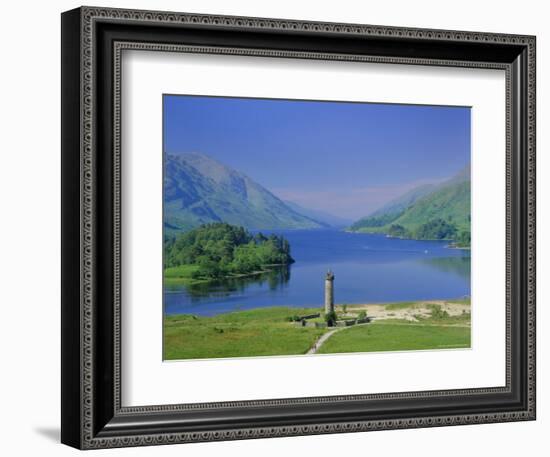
column 198, row 189
column 448, row 201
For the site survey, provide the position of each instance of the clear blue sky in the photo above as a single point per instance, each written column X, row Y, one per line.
column 345, row 158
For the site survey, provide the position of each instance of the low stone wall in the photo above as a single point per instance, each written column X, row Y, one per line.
column 350, row 322
column 345, row 323
column 340, row 323
column 310, row 316
column 303, row 318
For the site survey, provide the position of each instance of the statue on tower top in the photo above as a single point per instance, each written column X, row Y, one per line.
column 330, row 275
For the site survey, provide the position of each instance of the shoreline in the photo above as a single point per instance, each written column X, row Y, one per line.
column 386, row 310
column 188, row 281
column 449, row 246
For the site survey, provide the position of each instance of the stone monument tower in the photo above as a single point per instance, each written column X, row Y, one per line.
column 329, row 292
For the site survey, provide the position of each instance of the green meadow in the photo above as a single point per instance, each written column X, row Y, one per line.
column 182, row 275
column 397, row 335
column 271, row 331
column 257, row 332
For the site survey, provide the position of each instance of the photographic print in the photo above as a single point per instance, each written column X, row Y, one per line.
column 306, row 227
column 307, row 216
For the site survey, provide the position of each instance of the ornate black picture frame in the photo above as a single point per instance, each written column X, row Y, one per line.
column 92, row 42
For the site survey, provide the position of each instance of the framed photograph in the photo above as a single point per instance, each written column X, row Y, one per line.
column 274, row 227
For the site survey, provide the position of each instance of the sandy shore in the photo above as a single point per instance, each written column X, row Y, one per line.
column 410, row 313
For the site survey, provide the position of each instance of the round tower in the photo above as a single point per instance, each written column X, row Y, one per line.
column 329, row 292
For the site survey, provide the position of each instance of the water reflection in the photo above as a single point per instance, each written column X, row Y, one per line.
column 460, row 266
column 275, row 279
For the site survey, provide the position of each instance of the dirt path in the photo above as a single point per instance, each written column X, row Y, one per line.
column 325, row 336
column 413, row 313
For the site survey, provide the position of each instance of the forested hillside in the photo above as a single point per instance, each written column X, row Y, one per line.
column 441, row 213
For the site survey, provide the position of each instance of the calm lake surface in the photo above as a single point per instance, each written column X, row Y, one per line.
column 367, row 268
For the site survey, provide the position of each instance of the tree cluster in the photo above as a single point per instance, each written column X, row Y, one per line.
column 434, row 229
column 221, row 249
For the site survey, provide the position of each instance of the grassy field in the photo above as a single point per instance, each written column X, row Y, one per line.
column 181, row 275
column 258, row 332
column 437, row 330
column 396, row 335
column 270, row 331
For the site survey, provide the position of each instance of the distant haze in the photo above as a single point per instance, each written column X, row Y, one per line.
column 350, row 204
column 345, row 159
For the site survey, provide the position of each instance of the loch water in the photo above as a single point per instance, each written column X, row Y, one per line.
column 368, row 268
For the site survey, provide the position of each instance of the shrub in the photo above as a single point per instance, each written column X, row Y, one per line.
column 463, row 239
column 330, row 318
column 397, row 230
column 437, row 312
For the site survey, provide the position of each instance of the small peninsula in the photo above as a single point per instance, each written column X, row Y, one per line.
column 220, row 250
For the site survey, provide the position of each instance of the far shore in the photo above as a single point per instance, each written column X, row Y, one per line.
column 374, row 232
column 451, row 246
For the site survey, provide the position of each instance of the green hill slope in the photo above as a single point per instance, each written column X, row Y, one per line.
column 441, row 213
column 401, row 203
column 200, row 190
column 450, row 203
